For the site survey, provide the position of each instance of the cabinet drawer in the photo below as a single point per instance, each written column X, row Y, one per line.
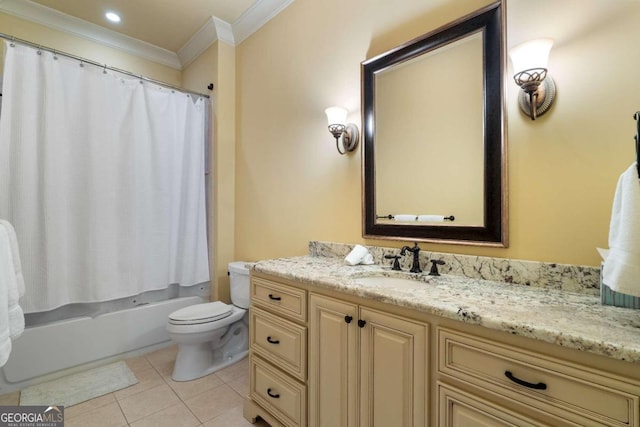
column 282, row 396
column 457, row 408
column 578, row 393
column 279, row 341
column 280, row 298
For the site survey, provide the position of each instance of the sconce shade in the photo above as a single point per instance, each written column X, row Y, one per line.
column 530, row 55
column 530, row 61
column 349, row 133
column 336, row 116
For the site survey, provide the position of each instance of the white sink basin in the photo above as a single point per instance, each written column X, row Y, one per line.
column 387, row 282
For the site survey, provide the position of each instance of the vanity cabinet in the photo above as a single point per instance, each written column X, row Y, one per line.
column 457, row 408
column 278, row 353
column 324, row 357
column 366, row 367
column 554, row 392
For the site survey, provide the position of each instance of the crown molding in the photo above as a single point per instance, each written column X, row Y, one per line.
column 51, row 18
column 256, row 16
column 225, row 31
column 261, row 12
column 198, row 43
column 214, row 29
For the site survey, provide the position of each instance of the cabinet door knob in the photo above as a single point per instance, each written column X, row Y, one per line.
column 348, row 318
column 539, row 386
column 274, row 298
column 361, row 323
column 274, row 395
column 272, row 341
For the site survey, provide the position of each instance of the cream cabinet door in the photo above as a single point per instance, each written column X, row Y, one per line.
column 393, row 370
column 333, row 375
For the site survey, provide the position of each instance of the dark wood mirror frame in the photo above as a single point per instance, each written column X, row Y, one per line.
column 489, row 21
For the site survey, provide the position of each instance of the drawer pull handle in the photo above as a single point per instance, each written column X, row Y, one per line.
column 361, row 323
column 272, row 341
column 275, row 396
column 274, row 298
column 348, row 318
column 539, row 386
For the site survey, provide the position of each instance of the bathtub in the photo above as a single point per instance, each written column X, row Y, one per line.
column 50, row 349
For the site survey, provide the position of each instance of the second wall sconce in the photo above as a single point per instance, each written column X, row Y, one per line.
column 341, row 130
column 530, row 67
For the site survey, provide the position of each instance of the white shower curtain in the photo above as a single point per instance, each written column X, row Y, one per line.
column 103, row 177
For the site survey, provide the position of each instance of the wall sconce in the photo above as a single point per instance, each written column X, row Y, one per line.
column 530, row 67
column 349, row 133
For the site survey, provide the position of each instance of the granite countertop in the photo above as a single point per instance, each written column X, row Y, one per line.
column 567, row 319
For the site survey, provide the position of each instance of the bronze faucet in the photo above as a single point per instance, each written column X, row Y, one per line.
column 415, row 250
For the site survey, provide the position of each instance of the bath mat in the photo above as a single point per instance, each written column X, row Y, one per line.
column 80, row 387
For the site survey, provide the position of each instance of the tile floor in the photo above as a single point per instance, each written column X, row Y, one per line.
column 158, row 401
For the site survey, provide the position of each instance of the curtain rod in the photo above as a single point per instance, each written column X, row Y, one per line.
column 97, row 64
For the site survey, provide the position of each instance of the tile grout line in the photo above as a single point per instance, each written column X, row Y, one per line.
column 181, row 400
column 232, row 376
column 121, row 411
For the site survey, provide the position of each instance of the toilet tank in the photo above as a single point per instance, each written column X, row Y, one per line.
column 239, row 283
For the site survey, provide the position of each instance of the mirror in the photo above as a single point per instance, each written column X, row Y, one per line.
column 433, row 127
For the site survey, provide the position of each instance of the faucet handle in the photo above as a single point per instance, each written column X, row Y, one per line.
column 434, row 267
column 396, row 263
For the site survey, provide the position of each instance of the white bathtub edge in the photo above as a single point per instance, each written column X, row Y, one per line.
column 50, row 351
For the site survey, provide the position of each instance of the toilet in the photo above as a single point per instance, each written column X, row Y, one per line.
column 212, row 335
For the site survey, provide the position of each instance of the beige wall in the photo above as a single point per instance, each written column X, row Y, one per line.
column 68, row 43
column 225, row 153
column 217, row 65
column 292, row 186
column 280, row 182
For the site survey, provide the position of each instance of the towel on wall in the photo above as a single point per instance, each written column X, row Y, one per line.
column 11, row 289
column 405, row 217
column 621, row 270
column 430, row 218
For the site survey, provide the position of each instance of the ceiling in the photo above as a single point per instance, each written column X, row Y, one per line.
column 167, row 31
column 165, row 23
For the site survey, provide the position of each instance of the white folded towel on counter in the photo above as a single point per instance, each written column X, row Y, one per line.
column 431, row 218
column 359, row 255
column 621, row 270
column 367, row 259
column 405, row 217
column 11, row 289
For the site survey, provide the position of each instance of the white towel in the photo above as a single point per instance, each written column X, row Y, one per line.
column 7, row 279
column 16, row 291
column 357, row 255
column 367, row 259
column 621, row 270
column 15, row 253
column 604, row 253
column 404, row 217
column 9, row 308
column 431, row 218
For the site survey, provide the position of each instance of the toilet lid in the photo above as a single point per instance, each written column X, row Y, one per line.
column 201, row 313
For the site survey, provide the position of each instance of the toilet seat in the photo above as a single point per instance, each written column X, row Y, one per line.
column 201, row 313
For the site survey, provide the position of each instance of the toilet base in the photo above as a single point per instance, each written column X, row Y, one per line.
column 196, row 363
column 206, row 348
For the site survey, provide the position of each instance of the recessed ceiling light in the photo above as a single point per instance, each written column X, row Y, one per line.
column 113, row 17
